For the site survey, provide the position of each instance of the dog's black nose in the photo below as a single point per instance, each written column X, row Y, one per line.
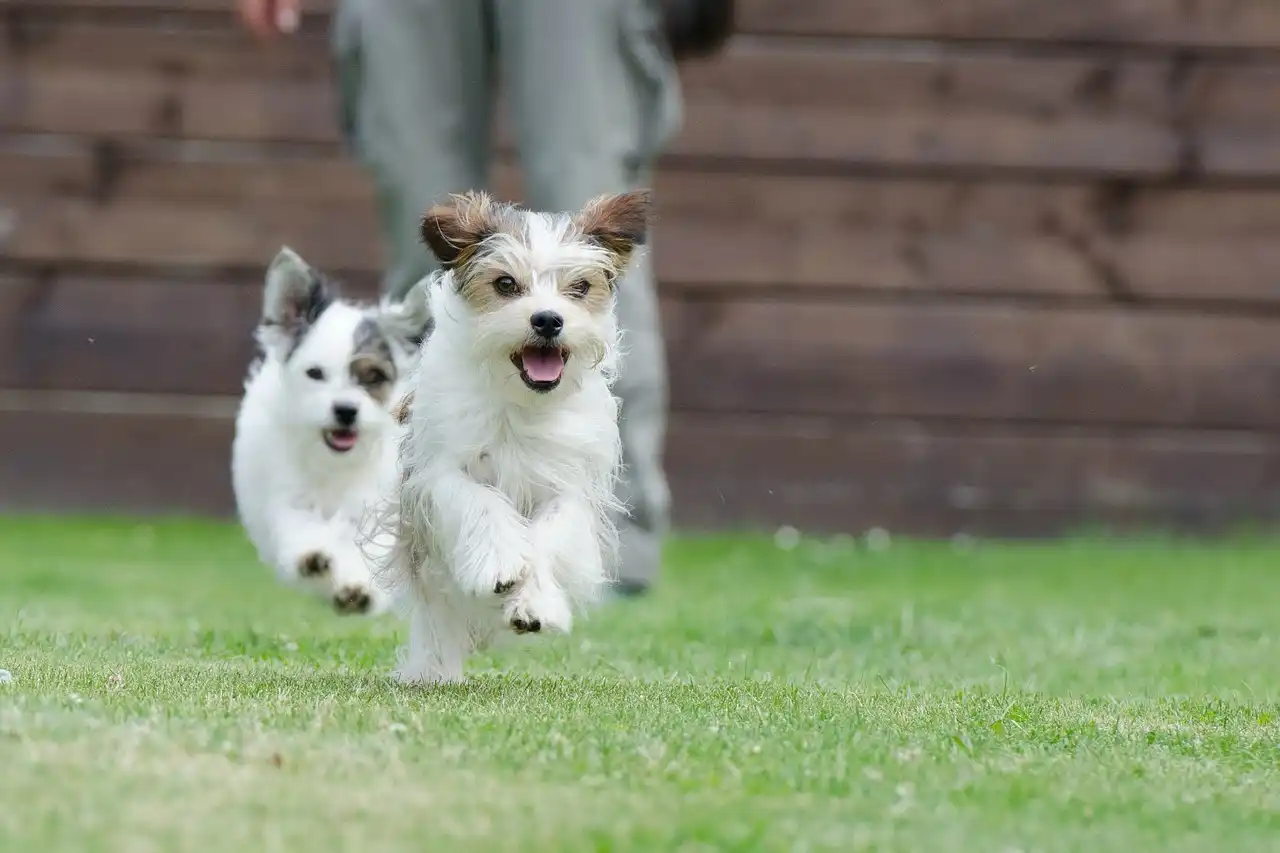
column 547, row 323
column 344, row 414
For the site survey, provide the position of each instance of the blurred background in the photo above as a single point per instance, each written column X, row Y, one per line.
column 935, row 266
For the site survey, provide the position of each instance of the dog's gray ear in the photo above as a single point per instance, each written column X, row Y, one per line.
column 409, row 321
column 295, row 297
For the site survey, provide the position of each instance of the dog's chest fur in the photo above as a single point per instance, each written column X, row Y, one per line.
column 526, row 456
column 344, row 486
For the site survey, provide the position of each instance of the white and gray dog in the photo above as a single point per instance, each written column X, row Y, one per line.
column 503, row 522
column 316, row 442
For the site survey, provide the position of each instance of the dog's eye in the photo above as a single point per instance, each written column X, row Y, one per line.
column 315, row 373
column 506, row 285
column 580, row 289
column 373, row 376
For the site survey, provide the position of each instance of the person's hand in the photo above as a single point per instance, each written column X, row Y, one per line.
column 269, row 18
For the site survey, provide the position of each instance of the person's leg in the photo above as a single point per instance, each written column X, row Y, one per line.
column 594, row 97
column 415, row 91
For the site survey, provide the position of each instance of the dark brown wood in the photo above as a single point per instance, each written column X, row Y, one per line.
column 873, row 359
column 942, row 112
column 38, row 170
column 1234, row 112
column 691, row 250
column 1107, row 365
column 847, row 109
column 823, row 476
column 1161, row 23
column 1158, row 23
column 90, row 461
column 159, row 336
column 175, row 233
column 1110, row 240
column 317, row 7
column 174, row 49
column 989, row 270
column 81, row 454
column 143, row 102
column 715, row 230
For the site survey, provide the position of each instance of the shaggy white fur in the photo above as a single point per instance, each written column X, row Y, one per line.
column 315, row 443
column 503, row 520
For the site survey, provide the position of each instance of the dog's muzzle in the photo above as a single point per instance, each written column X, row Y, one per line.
column 339, row 439
column 343, row 437
column 541, row 365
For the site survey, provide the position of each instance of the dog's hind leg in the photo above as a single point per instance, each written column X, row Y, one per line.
column 440, row 641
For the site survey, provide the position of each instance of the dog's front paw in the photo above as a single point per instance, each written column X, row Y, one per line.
column 496, row 576
column 522, row 616
column 505, row 584
column 352, row 599
column 531, row 609
column 510, row 574
column 314, row 564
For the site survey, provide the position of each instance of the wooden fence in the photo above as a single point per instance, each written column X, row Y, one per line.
column 997, row 266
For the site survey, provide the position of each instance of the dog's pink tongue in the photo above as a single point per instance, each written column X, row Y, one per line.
column 542, row 365
column 343, row 439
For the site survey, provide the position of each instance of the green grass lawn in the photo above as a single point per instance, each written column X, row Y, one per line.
column 166, row 695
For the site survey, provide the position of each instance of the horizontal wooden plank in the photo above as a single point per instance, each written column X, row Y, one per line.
column 1158, row 23
column 691, row 249
column 975, row 361
column 310, row 7
column 849, row 109
column 172, row 48
column 78, row 461
column 931, row 111
column 143, row 102
column 819, row 476
column 162, row 232
column 107, row 170
column 914, row 479
column 1234, row 113
column 1114, row 239
column 125, row 335
column 130, row 204
column 1168, row 23
column 970, row 361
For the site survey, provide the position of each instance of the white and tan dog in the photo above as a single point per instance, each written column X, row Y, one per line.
column 504, row 520
column 316, row 443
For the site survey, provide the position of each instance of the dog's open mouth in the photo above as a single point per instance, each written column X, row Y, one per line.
column 340, row 439
column 541, row 366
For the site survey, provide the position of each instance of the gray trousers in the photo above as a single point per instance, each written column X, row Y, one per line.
column 592, row 97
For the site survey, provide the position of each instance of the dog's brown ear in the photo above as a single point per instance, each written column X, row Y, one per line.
column 453, row 230
column 619, row 222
